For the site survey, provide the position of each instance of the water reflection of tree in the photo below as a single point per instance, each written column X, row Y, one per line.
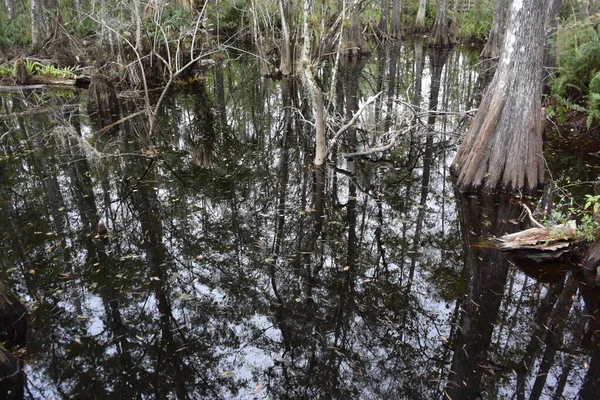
column 253, row 269
column 514, row 334
column 486, row 270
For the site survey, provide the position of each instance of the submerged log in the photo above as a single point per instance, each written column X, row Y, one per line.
column 540, row 244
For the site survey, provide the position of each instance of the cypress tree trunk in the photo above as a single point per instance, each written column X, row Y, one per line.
column 354, row 39
column 503, row 147
column 439, row 32
column 494, row 42
column 420, row 21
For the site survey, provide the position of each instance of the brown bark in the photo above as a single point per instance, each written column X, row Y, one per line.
column 502, row 149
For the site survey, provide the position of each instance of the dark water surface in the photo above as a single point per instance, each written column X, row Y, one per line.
column 233, row 269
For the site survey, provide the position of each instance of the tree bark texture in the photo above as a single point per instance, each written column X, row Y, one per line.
column 503, row 148
column 354, row 39
column 37, row 23
column 420, row 21
column 439, row 32
column 396, row 13
column 383, row 18
column 494, row 42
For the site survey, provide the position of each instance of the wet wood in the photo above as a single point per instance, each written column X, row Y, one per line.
column 541, row 243
column 40, row 82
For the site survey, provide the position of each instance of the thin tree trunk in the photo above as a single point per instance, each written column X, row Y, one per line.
column 285, row 64
column 552, row 21
column 313, row 91
column 396, row 15
column 383, row 18
column 503, row 147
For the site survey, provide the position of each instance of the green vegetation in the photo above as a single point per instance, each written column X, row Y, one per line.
column 36, row 68
column 576, row 85
column 14, row 32
column 475, row 24
column 568, row 208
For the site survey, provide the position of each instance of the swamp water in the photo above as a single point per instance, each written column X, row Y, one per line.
column 232, row 269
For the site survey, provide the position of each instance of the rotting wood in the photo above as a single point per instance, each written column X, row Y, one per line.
column 545, row 243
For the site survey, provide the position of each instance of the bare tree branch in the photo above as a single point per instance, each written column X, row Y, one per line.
column 352, row 121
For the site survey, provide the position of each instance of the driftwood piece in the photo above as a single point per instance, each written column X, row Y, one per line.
column 546, row 243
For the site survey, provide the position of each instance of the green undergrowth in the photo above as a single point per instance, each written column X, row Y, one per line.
column 14, row 32
column 8, row 71
column 576, row 83
column 475, row 24
column 569, row 207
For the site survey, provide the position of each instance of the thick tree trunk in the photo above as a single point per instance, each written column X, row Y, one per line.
column 354, row 39
column 503, row 148
column 494, row 42
column 420, row 21
column 439, row 32
column 396, row 13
